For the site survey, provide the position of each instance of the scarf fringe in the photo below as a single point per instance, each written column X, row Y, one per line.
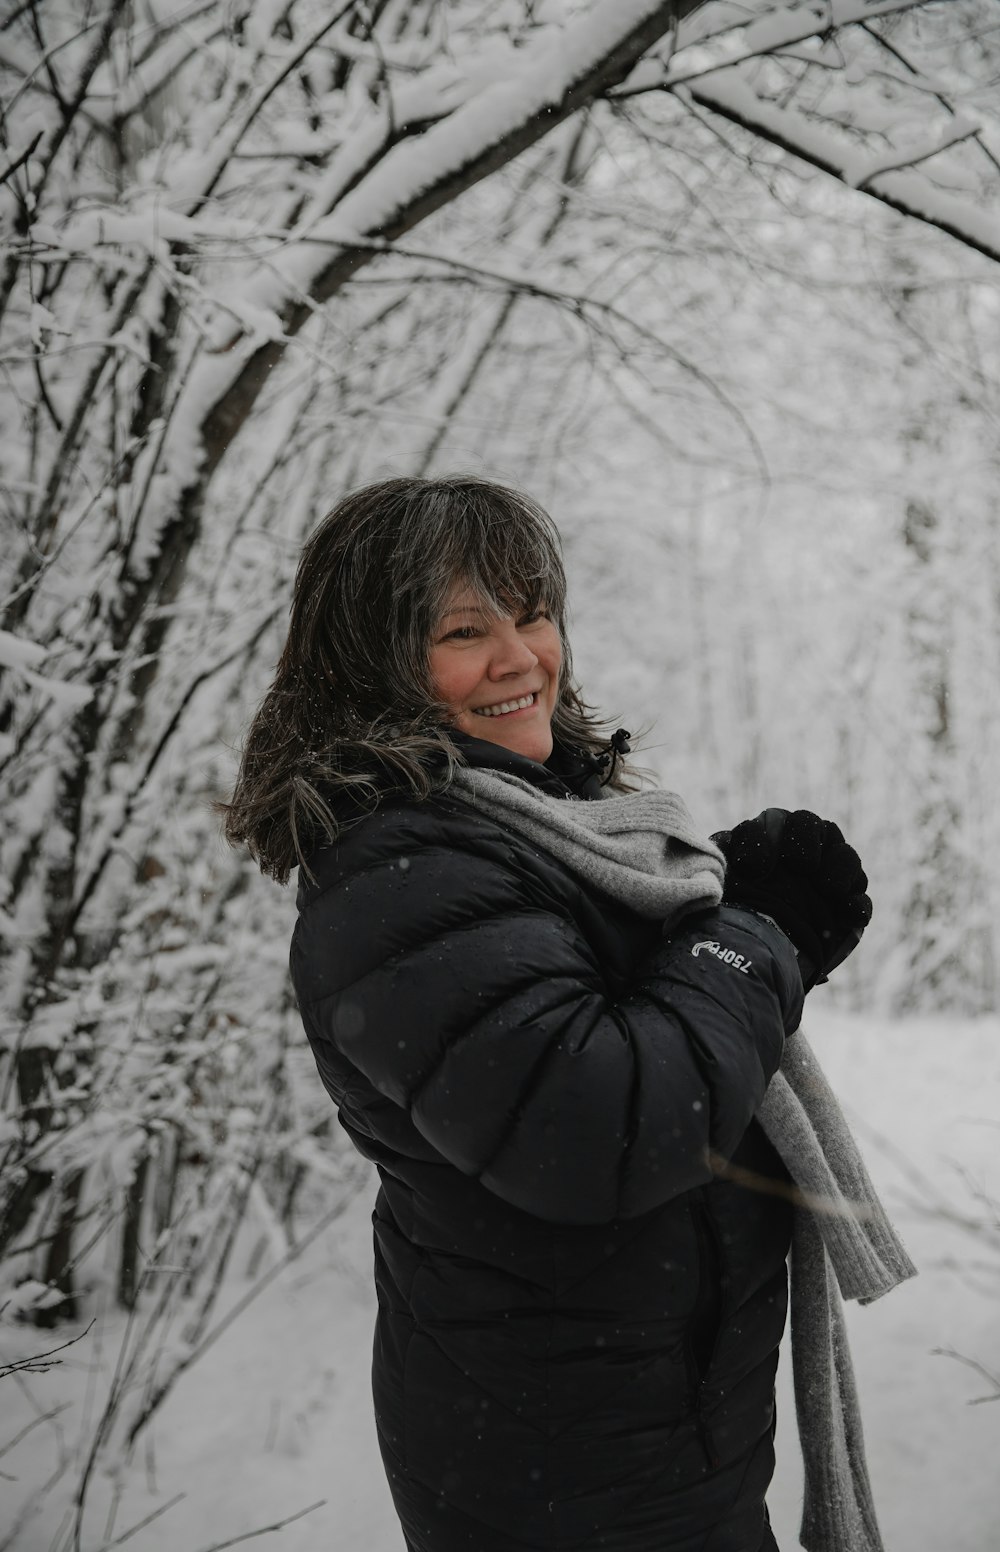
column 838, row 1513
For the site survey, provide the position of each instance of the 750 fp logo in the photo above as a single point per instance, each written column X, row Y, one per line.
column 727, row 956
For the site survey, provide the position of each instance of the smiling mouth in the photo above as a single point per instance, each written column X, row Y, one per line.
column 504, row 708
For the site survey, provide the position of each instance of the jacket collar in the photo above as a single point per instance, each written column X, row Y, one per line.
column 565, row 773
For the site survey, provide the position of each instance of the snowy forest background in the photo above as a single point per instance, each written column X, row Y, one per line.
column 716, row 282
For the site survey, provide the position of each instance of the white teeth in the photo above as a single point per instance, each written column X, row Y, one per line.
column 504, row 706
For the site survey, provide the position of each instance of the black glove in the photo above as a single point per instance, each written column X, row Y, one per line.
column 799, row 870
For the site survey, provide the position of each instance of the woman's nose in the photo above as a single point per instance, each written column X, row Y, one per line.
column 512, row 654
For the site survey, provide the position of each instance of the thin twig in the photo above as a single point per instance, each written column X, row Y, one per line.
column 578, row 303
column 43, row 1417
column 37, row 1363
column 896, row 53
column 265, row 1530
column 974, row 1364
column 126, row 1535
column 19, row 161
column 817, row 25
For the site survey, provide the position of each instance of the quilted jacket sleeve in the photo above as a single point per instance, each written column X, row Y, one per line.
column 439, row 974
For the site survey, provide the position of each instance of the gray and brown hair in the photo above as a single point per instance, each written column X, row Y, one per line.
column 351, row 713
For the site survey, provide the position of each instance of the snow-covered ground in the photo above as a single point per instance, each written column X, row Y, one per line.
column 276, row 1416
column 924, row 1099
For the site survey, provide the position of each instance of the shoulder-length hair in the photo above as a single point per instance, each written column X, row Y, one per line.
column 351, row 713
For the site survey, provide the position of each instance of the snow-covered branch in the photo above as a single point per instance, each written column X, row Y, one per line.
column 20, row 657
column 869, row 133
column 885, row 179
column 777, row 28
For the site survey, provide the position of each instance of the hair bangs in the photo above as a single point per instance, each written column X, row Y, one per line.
column 505, row 548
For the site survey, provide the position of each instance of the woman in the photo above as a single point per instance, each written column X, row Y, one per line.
column 552, row 1048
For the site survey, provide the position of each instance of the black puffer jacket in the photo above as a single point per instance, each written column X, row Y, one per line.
column 578, row 1322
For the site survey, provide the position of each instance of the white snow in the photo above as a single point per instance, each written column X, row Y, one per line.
column 951, row 132
column 726, row 91
column 64, row 696
column 700, row 50
column 17, row 653
column 110, row 101
column 276, row 1416
column 29, row 1295
column 545, row 74
column 924, row 1099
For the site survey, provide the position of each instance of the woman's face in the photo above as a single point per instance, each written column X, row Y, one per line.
column 499, row 676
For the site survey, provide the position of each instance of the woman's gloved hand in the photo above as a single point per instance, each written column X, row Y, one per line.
column 799, row 870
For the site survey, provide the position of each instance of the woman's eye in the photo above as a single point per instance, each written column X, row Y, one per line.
column 534, row 617
column 463, row 633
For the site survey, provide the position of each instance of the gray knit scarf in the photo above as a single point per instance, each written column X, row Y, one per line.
column 643, row 851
